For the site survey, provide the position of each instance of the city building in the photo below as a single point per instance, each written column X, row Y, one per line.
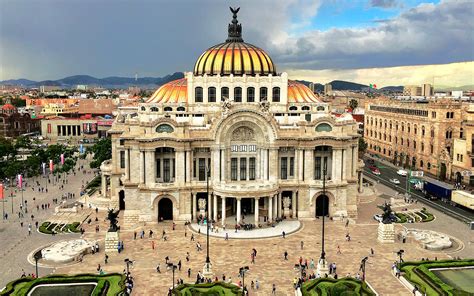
column 57, row 129
column 328, row 89
column 415, row 134
column 427, row 90
column 412, row 90
column 264, row 141
column 463, row 153
column 14, row 123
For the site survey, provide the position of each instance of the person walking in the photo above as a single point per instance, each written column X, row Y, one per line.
column 152, row 244
column 189, row 272
column 29, row 228
column 285, row 255
column 302, row 244
column 273, row 289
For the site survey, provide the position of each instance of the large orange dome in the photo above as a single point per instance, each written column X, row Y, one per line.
column 234, row 56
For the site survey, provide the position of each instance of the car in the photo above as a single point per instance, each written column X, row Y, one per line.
column 378, row 218
column 375, row 171
column 402, row 173
column 395, row 181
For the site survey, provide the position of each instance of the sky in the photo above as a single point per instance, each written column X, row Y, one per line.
column 388, row 42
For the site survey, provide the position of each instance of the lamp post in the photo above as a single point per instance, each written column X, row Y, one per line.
column 207, row 271
column 362, row 267
column 38, row 255
column 322, row 264
column 127, row 263
column 400, row 255
column 242, row 272
column 173, row 266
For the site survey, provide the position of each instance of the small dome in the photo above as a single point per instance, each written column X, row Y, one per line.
column 234, row 56
column 8, row 107
column 300, row 93
column 175, row 91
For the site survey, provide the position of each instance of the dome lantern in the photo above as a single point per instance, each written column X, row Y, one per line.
column 235, row 29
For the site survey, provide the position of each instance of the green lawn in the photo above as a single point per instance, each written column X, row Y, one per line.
column 110, row 284
column 212, row 289
column 329, row 287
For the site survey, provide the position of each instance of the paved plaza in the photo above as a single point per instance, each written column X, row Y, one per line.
column 227, row 256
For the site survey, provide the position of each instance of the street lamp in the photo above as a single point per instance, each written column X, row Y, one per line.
column 173, row 266
column 207, row 266
column 322, row 264
column 400, row 255
column 127, row 262
column 242, row 272
column 362, row 267
column 38, row 255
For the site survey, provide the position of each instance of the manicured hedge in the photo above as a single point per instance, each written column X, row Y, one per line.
column 420, row 275
column 109, row 284
column 208, row 289
column 330, row 286
column 47, row 227
column 402, row 218
column 429, row 216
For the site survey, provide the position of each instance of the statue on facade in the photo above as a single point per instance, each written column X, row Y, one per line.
column 387, row 214
column 112, row 217
column 264, row 106
column 226, row 104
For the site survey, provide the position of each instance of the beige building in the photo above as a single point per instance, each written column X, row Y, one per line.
column 265, row 140
column 415, row 135
column 427, row 90
column 463, row 153
column 62, row 129
column 328, row 89
column 412, row 90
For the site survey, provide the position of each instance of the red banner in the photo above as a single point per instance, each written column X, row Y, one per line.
column 1, row 191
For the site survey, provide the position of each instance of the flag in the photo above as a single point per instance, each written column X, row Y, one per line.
column 43, row 166
column 373, row 85
column 62, row 159
column 1, row 191
column 20, row 181
column 51, row 165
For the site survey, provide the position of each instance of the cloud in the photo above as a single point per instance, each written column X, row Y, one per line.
column 384, row 3
column 454, row 74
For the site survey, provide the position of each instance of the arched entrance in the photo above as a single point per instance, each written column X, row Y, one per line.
column 442, row 172
column 165, row 209
column 322, row 205
column 121, row 200
column 458, row 177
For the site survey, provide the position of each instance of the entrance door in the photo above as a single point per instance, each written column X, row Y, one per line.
column 442, row 172
column 122, row 200
column 165, row 209
column 322, row 206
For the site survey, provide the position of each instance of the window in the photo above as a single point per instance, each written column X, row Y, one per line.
column 422, row 131
column 433, row 114
column 224, row 93
column 293, row 108
column 154, row 109
column 431, row 149
column 243, row 169
column 251, row 94
column 276, row 94
column 194, row 168
column 320, row 108
column 198, row 96
column 307, row 117
column 263, row 94
column 305, row 108
column 292, row 166
column 233, row 169
column 284, row 168
column 238, row 94
column 447, row 114
column 122, row 159
column 414, row 144
column 252, row 168
column 202, row 169
column 211, row 94
column 422, row 147
column 166, row 170
column 421, row 163
column 180, row 109
column 432, row 133
column 158, row 168
column 168, row 109
column 323, row 127
column 164, row 128
column 429, row 166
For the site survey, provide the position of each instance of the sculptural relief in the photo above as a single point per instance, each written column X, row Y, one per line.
column 243, row 133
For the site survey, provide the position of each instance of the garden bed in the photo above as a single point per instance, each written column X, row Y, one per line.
column 330, row 286
column 48, row 227
column 215, row 288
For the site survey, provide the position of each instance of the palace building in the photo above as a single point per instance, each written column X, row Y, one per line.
column 264, row 141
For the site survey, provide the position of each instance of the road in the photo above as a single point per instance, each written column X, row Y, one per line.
column 388, row 172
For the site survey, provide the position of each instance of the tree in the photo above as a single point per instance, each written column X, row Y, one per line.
column 102, row 150
column 362, row 146
column 353, row 104
column 23, row 142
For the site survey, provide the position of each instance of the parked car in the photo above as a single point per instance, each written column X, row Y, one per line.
column 402, row 172
column 395, row 181
column 378, row 217
column 375, row 170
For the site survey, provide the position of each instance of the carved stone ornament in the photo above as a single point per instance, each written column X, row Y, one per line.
column 226, row 106
column 243, row 133
column 202, row 204
column 264, row 106
column 286, row 202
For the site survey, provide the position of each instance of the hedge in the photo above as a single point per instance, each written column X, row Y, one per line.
column 330, row 286
column 47, row 227
column 109, row 284
column 429, row 216
column 214, row 288
column 419, row 273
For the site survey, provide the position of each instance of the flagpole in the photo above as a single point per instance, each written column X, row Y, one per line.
column 11, row 191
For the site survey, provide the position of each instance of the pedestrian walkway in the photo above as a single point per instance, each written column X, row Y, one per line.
column 287, row 226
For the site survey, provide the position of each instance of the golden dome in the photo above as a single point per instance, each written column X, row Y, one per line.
column 234, row 56
column 175, row 91
column 300, row 93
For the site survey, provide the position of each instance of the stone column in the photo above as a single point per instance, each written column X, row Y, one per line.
column 308, row 165
column 223, row 211
column 215, row 166
column 300, row 164
column 189, row 164
column 194, row 206
column 238, row 209
column 265, row 164
column 127, row 164
column 256, row 211
column 275, row 206
column 279, row 213
column 273, row 161
column 354, row 161
column 104, row 185
column 142, row 167
column 179, row 159
column 215, row 207
column 149, row 167
column 270, row 208
column 293, row 203
column 360, row 181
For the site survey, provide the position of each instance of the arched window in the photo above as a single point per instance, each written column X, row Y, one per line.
column 422, row 130
column 168, row 109
column 211, row 94
column 421, row 163
column 224, row 93
column 429, row 166
column 154, row 109
column 263, row 94
column 143, row 108
column 164, row 128
column 238, row 94
column 323, row 127
column 305, row 108
column 250, row 94
column 180, row 109
column 276, row 94
column 432, row 132
column 293, row 108
column 320, row 108
column 198, row 95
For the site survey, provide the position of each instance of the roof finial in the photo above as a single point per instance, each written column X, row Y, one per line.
column 235, row 29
